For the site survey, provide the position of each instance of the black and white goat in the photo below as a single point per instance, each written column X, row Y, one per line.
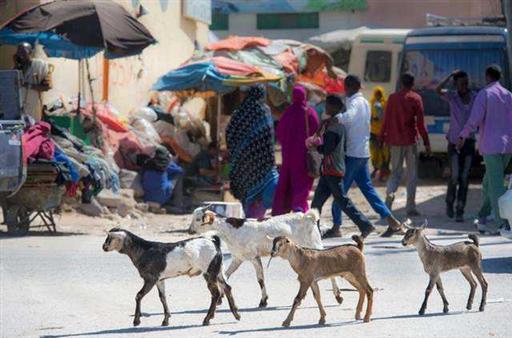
column 158, row 261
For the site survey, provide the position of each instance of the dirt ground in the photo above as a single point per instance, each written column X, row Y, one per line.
column 430, row 200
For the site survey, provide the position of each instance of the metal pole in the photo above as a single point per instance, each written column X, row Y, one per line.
column 507, row 10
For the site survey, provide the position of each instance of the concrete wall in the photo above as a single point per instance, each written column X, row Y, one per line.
column 130, row 78
column 380, row 13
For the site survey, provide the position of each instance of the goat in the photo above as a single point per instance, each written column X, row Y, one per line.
column 312, row 265
column 465, row 256
column 158, row 261
column 247, row 238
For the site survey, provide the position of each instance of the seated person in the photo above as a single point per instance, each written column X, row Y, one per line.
column 162, row 182
column 203, row 170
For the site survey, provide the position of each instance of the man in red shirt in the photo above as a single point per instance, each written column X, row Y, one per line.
column 403, row 122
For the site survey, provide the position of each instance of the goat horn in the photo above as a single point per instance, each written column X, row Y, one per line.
column 408, row 223
column 425, row 224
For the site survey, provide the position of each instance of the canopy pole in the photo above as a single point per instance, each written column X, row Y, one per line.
column 79, row 91
column 217, row 132
column 106, row 75
column 89, row 79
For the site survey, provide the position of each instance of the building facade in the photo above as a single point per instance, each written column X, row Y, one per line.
column 179, row 26
column 302, row 19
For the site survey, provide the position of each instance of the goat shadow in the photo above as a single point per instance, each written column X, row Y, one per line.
column 497, row 265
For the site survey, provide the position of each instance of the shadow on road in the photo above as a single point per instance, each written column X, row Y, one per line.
column 498, row 264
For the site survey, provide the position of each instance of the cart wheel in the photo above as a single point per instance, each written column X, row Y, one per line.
column 19, row 221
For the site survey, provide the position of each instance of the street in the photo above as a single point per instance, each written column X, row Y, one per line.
column 66, row 286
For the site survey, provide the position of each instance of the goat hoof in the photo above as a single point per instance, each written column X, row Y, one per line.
column 321, row 321
column 165, row 323
column 469, row 306
column 263, row 303
column 421, row 312
column 481, row 309
column 445, row 310
column 358, row 317
column 366, row 319
column 339, row 299
column 206, row 322
column 136, row 322
column 237, row 316
column 286, row 324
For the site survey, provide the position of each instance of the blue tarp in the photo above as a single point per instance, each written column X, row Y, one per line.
column 54, row 44
column 201, row 76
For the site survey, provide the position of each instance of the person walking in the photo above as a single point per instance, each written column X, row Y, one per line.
column 461, row 102
column 379, row 154
column 492, row 115
column 333, row 167
column 356, row 120
column 403, row 121
column 298, row 122
column 249, row 135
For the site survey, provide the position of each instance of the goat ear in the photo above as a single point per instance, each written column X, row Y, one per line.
column 424, row 225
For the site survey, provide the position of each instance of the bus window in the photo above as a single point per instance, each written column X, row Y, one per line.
column 378, row 66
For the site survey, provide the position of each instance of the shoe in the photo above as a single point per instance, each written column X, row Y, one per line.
column 367, row 232
column 506, row 231
column 332, row 233
column 413, row 213
column 487, row 230
column 390, row 232
column 449, row 210
column 389, row 200
column 459, row 218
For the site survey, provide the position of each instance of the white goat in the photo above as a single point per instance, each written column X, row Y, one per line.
column 248, row 239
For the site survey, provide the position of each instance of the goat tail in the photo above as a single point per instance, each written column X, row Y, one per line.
column 216, row 241
column 475, row 239
column 313, row 215
column 359, row 242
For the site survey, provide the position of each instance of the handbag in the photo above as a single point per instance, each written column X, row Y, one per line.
column 313, row 157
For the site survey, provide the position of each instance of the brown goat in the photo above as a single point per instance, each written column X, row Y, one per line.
column 313, row 265
column 465, row 256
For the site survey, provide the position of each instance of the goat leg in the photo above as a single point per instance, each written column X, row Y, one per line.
column 477, row 270
column 258, row 266
column 472, row 284
column 352, row 280
column 233, row 266
column 227, row 291
column 296, row 302
column 148, row 285
column 316, row 294
column 440, row 289
column 336, row 291
column 161, row 293
column 430, row 286
column 213, row 286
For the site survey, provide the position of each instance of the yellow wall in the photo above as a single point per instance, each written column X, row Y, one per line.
column 130, row 78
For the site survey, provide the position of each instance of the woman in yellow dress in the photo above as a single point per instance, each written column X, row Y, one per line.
column 380, row 155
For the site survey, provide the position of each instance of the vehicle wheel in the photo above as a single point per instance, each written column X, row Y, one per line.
column 18, row 220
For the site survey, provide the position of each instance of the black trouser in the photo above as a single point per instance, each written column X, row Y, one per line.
column 334, row 185
column 460, row 166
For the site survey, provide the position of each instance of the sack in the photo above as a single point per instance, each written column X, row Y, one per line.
column 505, row 203
column 313, row 162
column 313, row 157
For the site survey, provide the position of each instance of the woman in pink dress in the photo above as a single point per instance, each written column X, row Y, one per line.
column 294, row 181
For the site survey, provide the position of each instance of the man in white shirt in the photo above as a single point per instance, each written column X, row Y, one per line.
column 356, row 120
column 36, row 78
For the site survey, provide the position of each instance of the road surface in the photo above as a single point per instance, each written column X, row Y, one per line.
column 66, row 286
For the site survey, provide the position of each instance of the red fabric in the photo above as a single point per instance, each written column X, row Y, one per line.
column 231, row 67
column 104, row 115
column 238, row 43
column 404, row 119
column 36, row 144
column 324, row 81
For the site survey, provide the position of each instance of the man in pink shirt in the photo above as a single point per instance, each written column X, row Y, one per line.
column 492, row 115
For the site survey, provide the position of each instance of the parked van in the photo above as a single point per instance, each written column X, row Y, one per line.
column 433, row 53
column 375, row 58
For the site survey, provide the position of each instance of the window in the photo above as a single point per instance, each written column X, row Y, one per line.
column 287, row 21
column 378, row 66
column 220, row 22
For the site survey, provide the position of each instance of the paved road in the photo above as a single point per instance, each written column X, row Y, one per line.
column 68, row 287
